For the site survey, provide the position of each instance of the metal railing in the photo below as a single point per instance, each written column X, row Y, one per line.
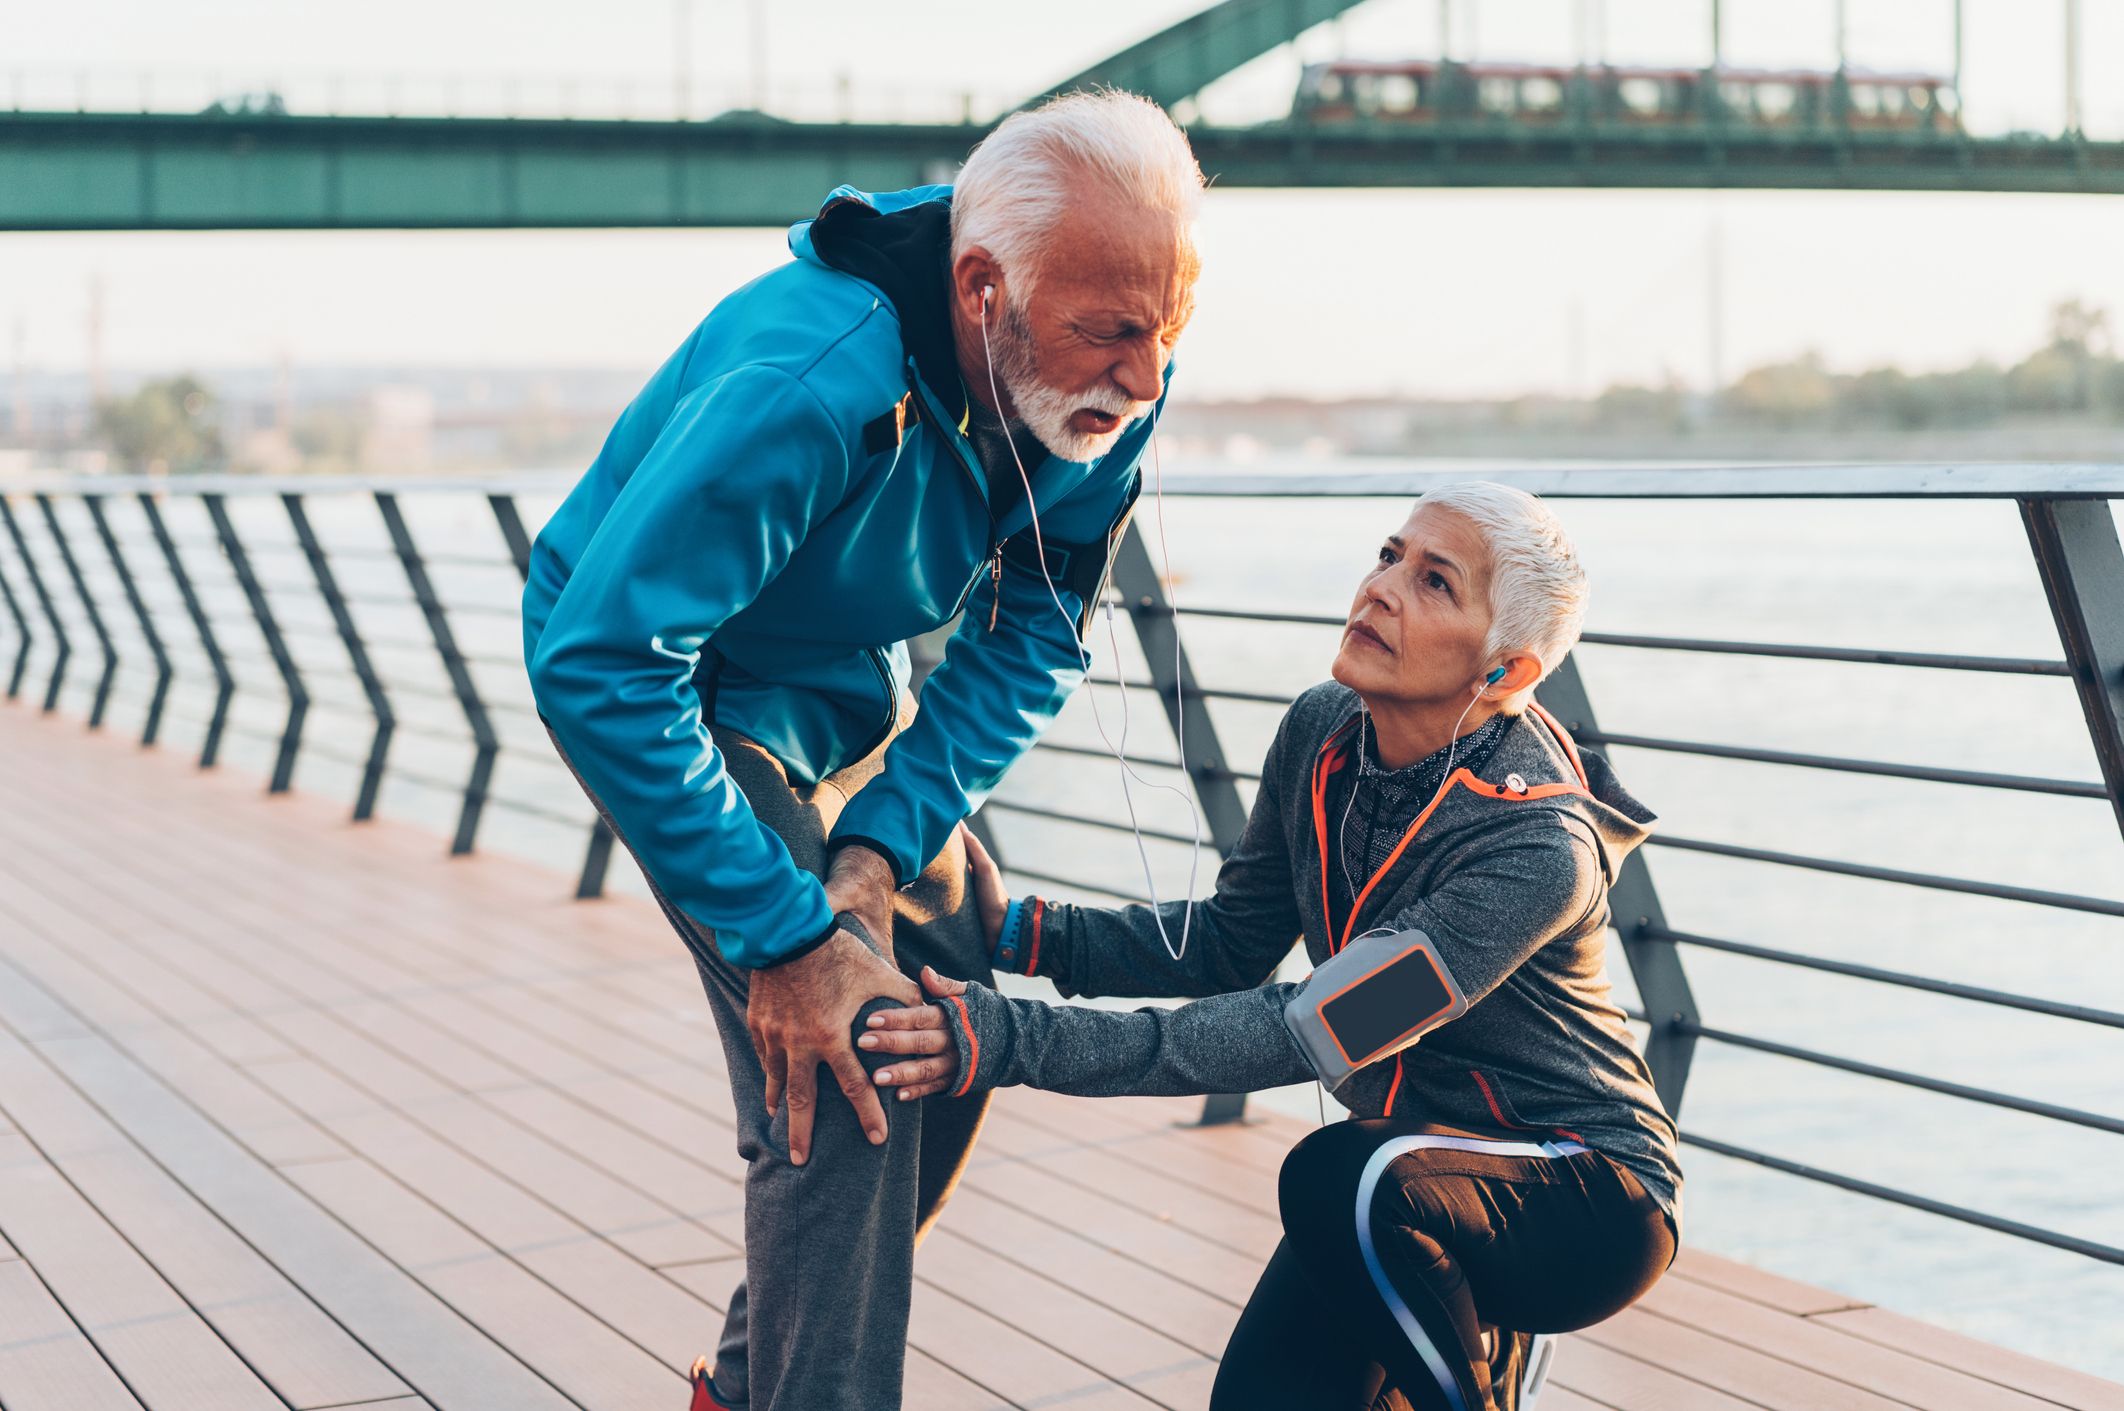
column 159, row 592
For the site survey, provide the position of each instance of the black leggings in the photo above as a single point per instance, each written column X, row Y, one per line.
column 1461, row 1226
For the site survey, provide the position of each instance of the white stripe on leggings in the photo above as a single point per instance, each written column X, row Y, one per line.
column 1367, row 1183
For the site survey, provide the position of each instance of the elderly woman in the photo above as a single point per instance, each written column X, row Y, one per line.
column 1444, row 852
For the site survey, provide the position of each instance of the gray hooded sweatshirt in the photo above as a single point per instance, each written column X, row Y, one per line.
column 1508, row 874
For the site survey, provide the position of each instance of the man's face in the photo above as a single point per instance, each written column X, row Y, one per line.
column 1085, row 354
column 1417, row 627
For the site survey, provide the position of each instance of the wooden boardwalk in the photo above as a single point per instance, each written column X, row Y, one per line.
column 296, row 1113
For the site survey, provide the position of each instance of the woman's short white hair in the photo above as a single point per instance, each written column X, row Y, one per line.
column 1017, row 185
column 1538, row 590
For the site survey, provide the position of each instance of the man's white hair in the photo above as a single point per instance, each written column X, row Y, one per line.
column 1538, row 590
column 1021, row 180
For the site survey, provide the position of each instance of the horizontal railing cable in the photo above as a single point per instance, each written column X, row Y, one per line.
column 1078, row 883
column 1085, row 820
column 1980, row 994
column 2068, row 901
column 2028, row 783
column 2107, row 1253
column 1987, row 1096
column 1866, row 656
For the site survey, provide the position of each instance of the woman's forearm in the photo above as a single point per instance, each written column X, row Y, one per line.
column 1228, row 1043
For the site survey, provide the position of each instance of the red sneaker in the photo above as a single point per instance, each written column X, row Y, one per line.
column 704, row 1398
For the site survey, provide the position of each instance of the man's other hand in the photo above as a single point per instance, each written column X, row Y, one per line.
column 801, row 1014
column 861, row 882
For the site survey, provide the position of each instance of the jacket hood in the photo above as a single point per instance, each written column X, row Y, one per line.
column 899, row 243
column 1535, row 764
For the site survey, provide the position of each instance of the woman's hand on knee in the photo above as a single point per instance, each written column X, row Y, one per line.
column 922, row 1032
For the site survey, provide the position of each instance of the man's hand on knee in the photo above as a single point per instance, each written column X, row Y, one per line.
column 860, row 881
column 800, row 1014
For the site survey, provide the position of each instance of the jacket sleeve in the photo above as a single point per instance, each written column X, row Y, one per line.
column 1233, row 1043
column 1502, row 900
column 998, row 687
column 1504, row 897
column 742, row 469
column 1237, row 935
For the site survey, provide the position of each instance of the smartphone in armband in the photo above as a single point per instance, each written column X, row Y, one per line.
column 1370, row 1000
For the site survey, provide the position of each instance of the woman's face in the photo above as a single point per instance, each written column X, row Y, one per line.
column 1416, row 629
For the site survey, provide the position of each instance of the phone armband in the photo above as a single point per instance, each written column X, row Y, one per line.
column 1369, row 1001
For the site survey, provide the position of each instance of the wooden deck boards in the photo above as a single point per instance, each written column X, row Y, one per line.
column 297, row 1113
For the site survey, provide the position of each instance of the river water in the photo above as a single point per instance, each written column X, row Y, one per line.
column 1945, row 577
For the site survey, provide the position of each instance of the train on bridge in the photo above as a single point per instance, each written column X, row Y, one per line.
column 1436, row 90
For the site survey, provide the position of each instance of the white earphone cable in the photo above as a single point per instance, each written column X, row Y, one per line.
column 1128, row 771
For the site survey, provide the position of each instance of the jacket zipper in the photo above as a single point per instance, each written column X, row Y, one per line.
column 876, row 657
column 980, row 488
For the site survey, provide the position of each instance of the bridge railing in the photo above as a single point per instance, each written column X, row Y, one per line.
column 662, row 97
column 362, row 636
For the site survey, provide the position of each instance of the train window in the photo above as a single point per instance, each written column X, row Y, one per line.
column 1774, row 102
column 1397, row 93
column 1497, row 95
column 1540, row 95
column 1640, row 95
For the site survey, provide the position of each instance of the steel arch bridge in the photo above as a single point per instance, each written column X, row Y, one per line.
column 231, row 171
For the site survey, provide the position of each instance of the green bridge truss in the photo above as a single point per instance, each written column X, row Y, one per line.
column 149, row 171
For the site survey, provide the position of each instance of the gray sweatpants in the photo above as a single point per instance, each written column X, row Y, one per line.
column 819, row 1322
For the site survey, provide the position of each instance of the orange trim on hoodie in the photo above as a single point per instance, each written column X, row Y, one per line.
column 1465, row 778
column 1323, row 768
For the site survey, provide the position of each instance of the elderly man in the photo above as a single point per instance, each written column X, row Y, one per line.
column 936, row 409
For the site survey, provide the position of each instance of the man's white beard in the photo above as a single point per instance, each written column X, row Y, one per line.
column 1046, row 410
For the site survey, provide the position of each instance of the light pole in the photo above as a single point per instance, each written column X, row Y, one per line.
column 2072, row 66
column 1957, row 55
column 682, row 58
column 759, row 56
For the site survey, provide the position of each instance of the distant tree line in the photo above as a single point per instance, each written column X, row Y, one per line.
column 2075, row 374
column 170, row 424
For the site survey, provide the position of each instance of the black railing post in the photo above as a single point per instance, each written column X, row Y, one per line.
column 2082, row 567
column 357, row 653
column 224, row 681
column 597, row 857
column 262, row 610
column 88, row 605
column 1662, row 984
column 486, row 746
column 163, row 670
column 22, row 631
column 44, row 600
column 1223, row 811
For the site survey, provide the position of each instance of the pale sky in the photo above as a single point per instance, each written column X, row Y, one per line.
column 1321, row 293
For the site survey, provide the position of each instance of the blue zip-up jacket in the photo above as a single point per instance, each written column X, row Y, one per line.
column 787, row 502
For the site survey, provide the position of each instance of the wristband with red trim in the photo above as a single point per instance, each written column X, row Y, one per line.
column 1018, row 940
